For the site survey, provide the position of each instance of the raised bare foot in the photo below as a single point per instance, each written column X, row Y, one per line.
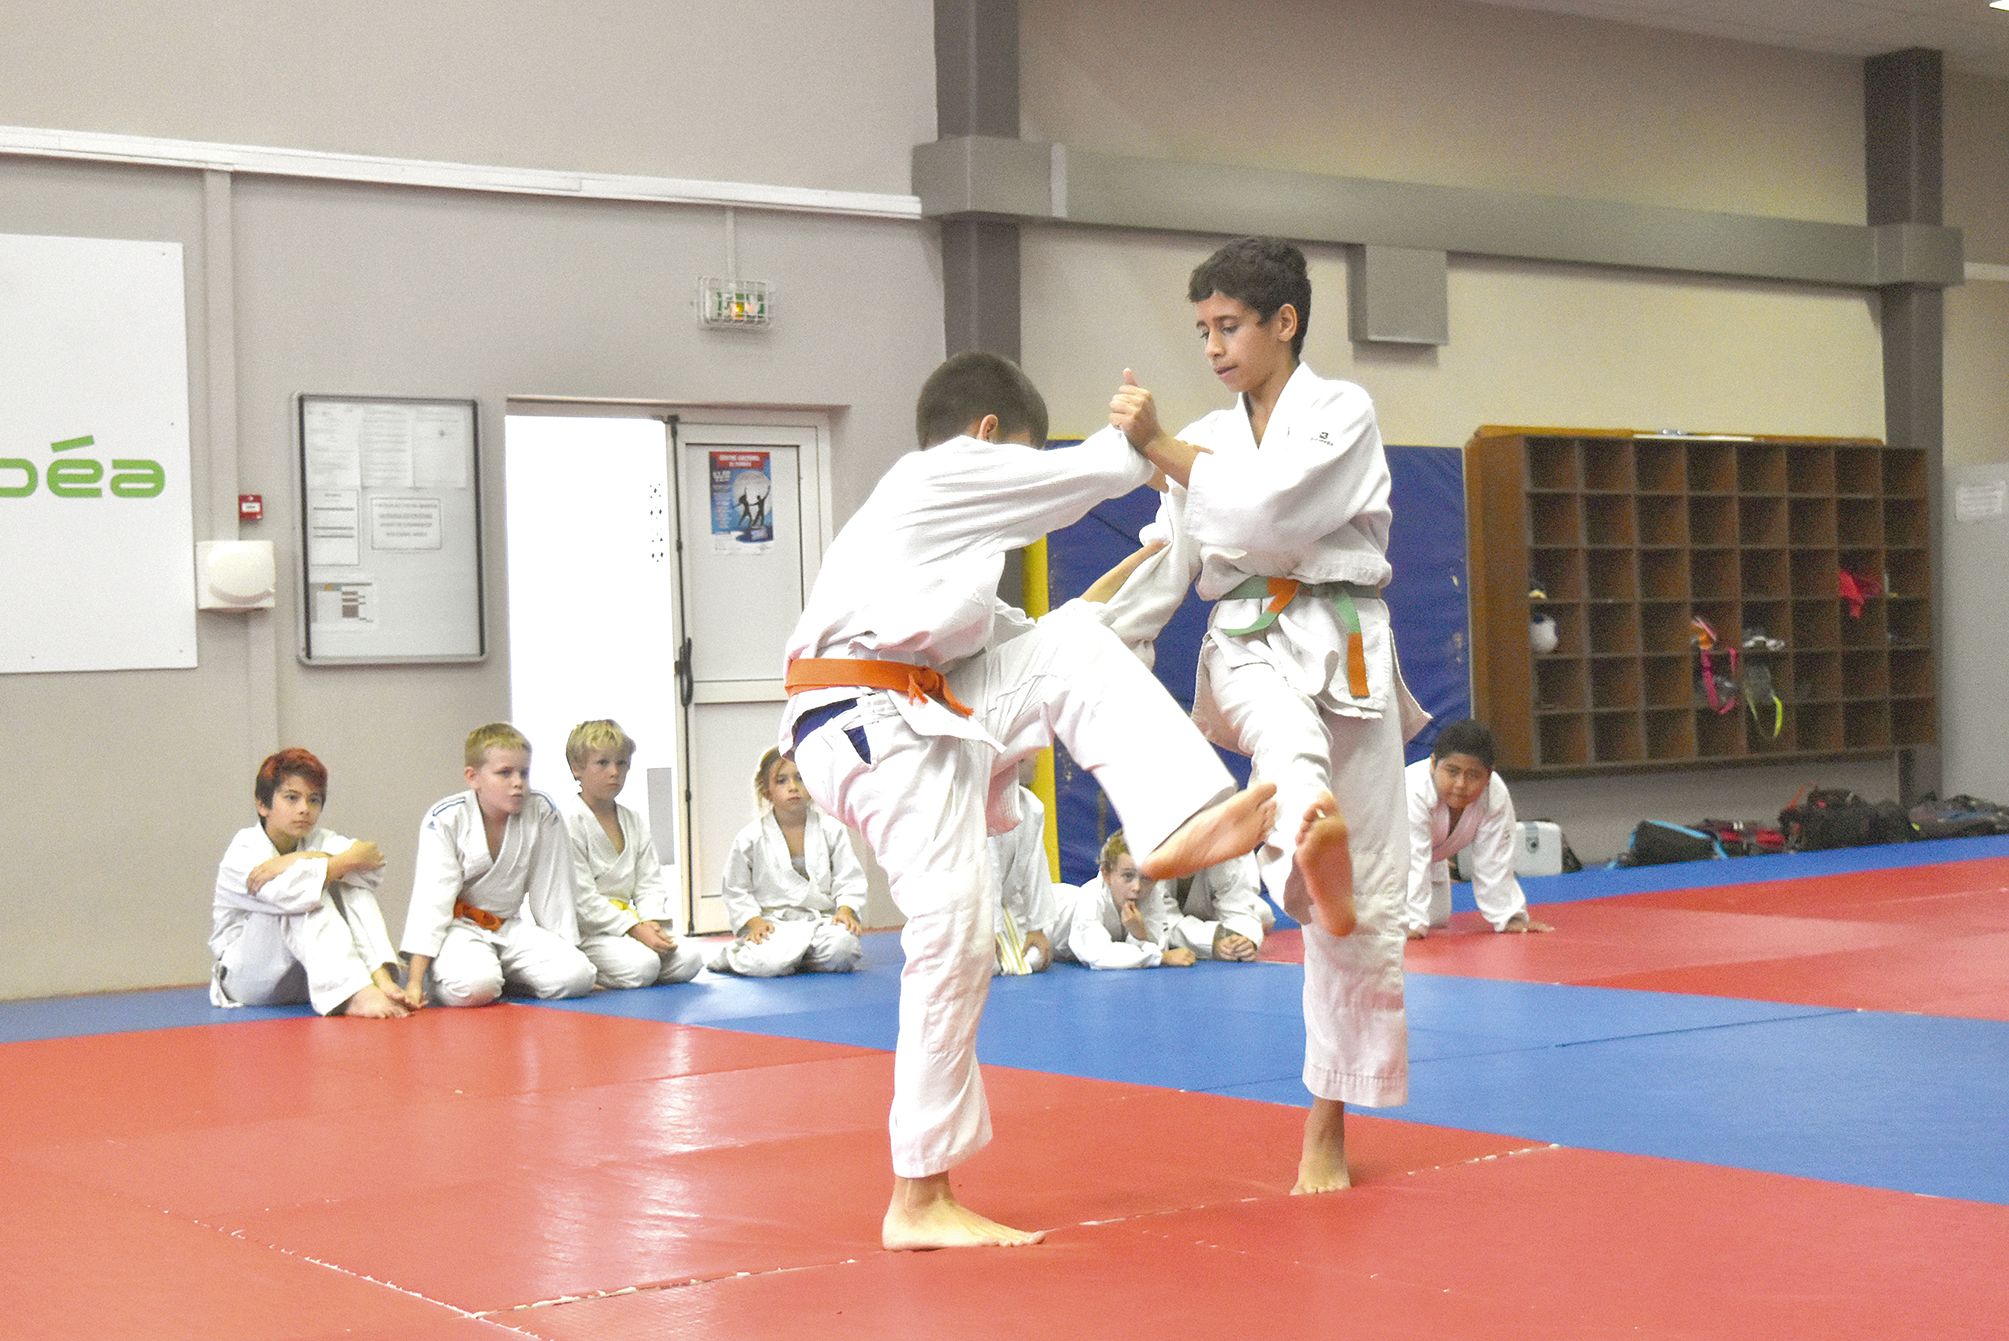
column 1326, row 865
column 373, row 1004
column 925, row 1214
column 1322, row 1166
column 1229, row 828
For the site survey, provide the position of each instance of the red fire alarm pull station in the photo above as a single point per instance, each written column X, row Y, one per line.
column 250, row 507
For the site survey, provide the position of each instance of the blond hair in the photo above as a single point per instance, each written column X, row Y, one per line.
column 602, row 733
column 494, row 736
column 764, row 775
column 1113, row 850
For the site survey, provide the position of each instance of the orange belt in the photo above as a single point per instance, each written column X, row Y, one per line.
column 481, row 917
column 918, row 683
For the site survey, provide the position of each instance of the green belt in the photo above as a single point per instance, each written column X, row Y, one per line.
column 1280, row 592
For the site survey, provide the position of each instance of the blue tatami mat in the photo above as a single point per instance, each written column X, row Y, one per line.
column 125, row 1013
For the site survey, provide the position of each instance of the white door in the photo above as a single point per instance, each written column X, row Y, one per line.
column 750, row 507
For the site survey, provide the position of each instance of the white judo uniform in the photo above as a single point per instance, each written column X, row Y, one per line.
column 1188, row 913
column 1096, row 936
column 530, row 884
column 617, row 890
column 913, row 578
column 1486, row 826
column 1309, row 503
column 298, row 938
column 1024, row 888
column 763, row 880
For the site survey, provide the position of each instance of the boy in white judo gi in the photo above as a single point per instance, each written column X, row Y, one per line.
column 295, row 915
column 794, row 888
column 625, row 908
column 1107, row 928
column 1457, row 801
column 914, row 692
column 1215, row 914
column 495, row 893
column 1027, row 918
column 1279, row 507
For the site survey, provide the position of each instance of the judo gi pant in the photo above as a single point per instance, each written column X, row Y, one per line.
column 473, row 966
column 921, row 803
column 622, row 961
column 1356, row 1035
column 282, row 959
column 795, row 945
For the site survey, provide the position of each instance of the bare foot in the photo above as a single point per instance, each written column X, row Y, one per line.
column 1326, row 865
column 1225, row 829
column 373, row 1004
column 1322, row 1166
column 925, row 1214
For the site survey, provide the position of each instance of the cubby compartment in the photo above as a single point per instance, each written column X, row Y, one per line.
column 1670, row 734
column 1614, row 630
column 1663, row 520
column 1670, row 680
column 1557, row 573
column 1555, row 519
column 1616, row 737
column 1552, row 464
column 1859, row 523
column 1811, row 470
column 1712, row 521
column 1766, row 572
column 1913, row 721
column 1607, row 466
column 1816, row 678
column 1663, row 574
column 1761, row 468
column 1712, row 468
column 1662, row 468
column 1772, row 619
column 1908, row 620
column 1718, row 735
column 1814, row 572
column 1609, row 521
column 1817, row 624
column 1905, row 521
column 1866, row 629
column 1713, row 574
column 1911, row 674
column 1858, row 470
column 1569, row 618
column 1562, row 740
column 1866, row 726
column 1615, row 682
column 1865, row 677
column 1904, row 472
column 1907, row 573
column 1810, row 523
column 1664, row 627
column 1817, row 727
column 1722, row 618
column 1561, row 683
column 1614, row 575
column 1761, row 521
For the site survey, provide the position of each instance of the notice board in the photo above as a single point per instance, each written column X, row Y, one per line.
column 390, row 530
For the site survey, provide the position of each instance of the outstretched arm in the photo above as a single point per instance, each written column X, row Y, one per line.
column 1133, row 410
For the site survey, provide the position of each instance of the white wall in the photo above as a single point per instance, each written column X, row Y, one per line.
column 122, row 789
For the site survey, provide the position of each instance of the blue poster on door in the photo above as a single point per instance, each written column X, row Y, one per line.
column 742, row 502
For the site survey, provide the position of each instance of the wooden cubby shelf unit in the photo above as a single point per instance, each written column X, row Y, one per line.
column 1624, row 538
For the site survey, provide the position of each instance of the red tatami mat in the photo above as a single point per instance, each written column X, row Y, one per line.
column 1925, row 939
column 1533, row 1246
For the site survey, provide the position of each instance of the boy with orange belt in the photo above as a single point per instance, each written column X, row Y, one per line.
column 914, row 692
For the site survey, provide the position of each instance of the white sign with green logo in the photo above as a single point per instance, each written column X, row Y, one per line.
column 96, row 533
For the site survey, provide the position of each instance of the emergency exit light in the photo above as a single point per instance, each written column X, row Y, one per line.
column 737, row 303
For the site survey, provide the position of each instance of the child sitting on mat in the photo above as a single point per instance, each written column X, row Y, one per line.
column 793, row 886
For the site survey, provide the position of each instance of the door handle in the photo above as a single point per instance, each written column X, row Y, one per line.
column 686, row 676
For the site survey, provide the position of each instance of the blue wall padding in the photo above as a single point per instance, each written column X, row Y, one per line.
column 1426, row 602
